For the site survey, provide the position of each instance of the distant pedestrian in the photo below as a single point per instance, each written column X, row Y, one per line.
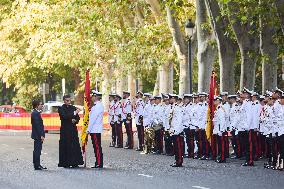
column 38, row 134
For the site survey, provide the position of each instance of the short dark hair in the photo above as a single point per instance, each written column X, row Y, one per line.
column 66, row 96
column 36, row 103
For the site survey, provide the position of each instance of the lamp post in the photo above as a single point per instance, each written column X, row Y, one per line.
column 189, row 28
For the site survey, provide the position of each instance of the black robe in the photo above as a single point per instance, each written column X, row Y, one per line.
column 69, row 147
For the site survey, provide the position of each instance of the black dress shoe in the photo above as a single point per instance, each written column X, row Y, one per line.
column 96, row 167
column 42, row 167
column 233, row 157
column 128, row 147
column 38, row 168
column 176, row 165
column 221, row 161
column 74, row 166
column 247, row 164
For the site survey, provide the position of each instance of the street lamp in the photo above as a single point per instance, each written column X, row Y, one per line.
column 189, row 28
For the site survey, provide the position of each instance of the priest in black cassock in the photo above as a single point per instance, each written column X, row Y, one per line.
column 70, row 154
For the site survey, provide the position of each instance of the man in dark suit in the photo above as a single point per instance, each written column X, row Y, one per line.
column 38, row 134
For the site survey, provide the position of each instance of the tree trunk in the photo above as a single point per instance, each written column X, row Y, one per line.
column 155, row 8
column 171, row 77
column 227, row 48
column 131, row 84
column 280, row 11
column 269, row 50
column 140, row 84
column 79, row 93
column 157, row 88
column 165, row 78
column 121, row 84
column 248, row 43
column 206, row 51
column 106, row 85
column 181, row 50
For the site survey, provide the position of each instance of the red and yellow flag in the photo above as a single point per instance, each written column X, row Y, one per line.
column 87, row 103
column 211, row 108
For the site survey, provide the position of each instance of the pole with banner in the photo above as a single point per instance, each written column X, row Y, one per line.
column 87, row 103
column 211, row 108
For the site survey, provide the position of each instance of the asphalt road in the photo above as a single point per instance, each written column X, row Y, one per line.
column 123, row 169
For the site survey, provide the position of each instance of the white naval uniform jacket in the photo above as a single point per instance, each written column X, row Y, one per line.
column 188, row 116
column 96, row 118
column 268, row 120
column 167, row 111
column 280, row 120
column 202, row 108
column 219, row 121
column 157, row 114
column 227, row 108
column 126, row 108
column 117, row 111
column 111, row 112
column 176, row 126
column 139, row 108
column 233, row 116
column 245, row 118
column 255, row 110
column 147, row 114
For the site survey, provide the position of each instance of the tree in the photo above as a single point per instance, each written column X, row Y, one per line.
column 206, row 50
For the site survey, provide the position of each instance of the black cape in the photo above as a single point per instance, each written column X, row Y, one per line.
column 69, row 147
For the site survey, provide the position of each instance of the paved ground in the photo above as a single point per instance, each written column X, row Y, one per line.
column 124, row 169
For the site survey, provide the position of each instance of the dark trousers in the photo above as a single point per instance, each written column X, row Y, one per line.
column 272, row 149
column 203, row 144
column 96, row 140
column 234, row 143
column 243, row 139
column 168, row 143
column 214, row 146
column 189, row 133
column 247, row 143
column 261, row 145
column 255, row 144
column 178, row 148
column 159, row 136
column 227, row 144
column 140, row 132
column 129, row 132
column 113, row 134
column 222, row 148
column 281, row 146
column 119, row 134
column 37, row 152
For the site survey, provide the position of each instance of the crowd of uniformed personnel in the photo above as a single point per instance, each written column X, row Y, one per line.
column 175, row 125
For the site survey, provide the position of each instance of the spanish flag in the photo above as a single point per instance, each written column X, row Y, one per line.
column 211, row 108
column 87, row 102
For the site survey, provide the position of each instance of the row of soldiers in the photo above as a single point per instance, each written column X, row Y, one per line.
column 176, row 125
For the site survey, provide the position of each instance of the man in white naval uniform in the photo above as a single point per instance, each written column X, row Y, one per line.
column 280, row 127
column 111, row 120
column 245, row 121
column 255, row 110
column 226, row 106
column 167, row 112
column 126, row 115
column 147, row 124
column 118, row 121
column 139, row 108
column 203, row 144
column 233, row 125
column 95, row 127
column 158, row 116
column 176, row 130
column 187, row 122
column 220, row 127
